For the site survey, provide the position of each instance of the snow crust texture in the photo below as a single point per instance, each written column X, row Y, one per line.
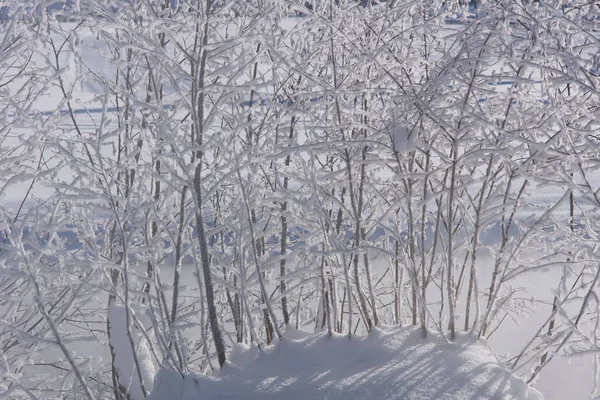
column 387, row 364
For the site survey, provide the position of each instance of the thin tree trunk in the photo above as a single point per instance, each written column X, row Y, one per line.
column 556, row 300
column 269, row 311
column 475, row 244
column 198, row 103
column 399, row 284
column 284, row 233
column 372, row 296
column 424, row 278
column 450, row 277
column 178, row 256
column 357, row 208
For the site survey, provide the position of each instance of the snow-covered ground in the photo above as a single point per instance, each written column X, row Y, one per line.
column 389, row 363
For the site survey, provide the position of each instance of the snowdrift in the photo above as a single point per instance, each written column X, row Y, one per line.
column 391, row 363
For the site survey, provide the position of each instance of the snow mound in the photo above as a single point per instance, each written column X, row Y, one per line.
column 391, row 363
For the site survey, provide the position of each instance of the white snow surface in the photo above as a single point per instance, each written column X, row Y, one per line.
column 389, row 363
column 124, row 355
column 404, row 139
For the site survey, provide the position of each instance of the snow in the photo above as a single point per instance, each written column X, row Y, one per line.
column 123, row 354
column 389, row 363
column 403, row 138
